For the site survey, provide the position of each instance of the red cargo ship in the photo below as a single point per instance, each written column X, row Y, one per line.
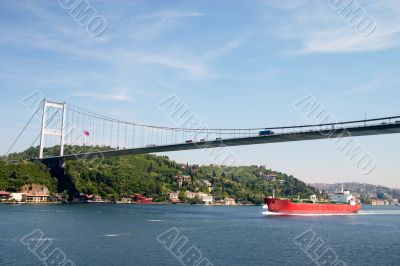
column 343, row 202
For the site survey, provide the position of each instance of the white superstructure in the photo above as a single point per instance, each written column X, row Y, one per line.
column 344, row 196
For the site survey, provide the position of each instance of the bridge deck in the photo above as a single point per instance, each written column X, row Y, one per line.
column 285, row 137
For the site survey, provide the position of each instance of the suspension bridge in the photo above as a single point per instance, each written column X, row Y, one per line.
column 64, row 124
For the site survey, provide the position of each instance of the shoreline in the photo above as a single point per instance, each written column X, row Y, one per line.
column 116, row 203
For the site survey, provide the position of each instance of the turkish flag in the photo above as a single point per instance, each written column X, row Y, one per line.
column 86, row 133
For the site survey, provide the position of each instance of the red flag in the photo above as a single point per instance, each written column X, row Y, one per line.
column 86, row 133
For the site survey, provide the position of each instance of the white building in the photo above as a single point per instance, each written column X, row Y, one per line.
column 207, row 199
column 229, row 202
column 190, row 194
column 206, row 183
column 18, row 197
column 174, row 195
column 37, row 198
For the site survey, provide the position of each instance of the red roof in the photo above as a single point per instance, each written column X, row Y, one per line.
column 4, row 193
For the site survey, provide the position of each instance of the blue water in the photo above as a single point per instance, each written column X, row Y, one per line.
column 127, row 235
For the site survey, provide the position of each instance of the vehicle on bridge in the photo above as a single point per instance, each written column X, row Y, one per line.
column 189, row 141
column 266, row 132
column 151, row 145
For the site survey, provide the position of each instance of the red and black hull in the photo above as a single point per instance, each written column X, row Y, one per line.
column 285, row 206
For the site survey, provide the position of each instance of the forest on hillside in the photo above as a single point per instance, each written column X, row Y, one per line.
column 151, row 175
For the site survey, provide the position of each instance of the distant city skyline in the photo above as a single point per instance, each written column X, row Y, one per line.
column 242, row 66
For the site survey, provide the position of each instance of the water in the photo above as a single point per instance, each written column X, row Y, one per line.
column 127, row 234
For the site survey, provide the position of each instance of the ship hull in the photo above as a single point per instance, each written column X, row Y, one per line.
column 285, row 206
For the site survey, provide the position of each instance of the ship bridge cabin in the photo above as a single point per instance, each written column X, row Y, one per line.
column 342, row 197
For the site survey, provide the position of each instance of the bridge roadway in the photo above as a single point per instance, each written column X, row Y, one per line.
column 315, row 134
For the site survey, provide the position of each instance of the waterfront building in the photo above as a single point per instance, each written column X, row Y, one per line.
column 18, row 197
column 206, row 198
column 125, row 200
column 4, row 196
column 174, row 197
column 89, row 198
column 229, row 201
column 36, row 198
column 377, row 202
column 140, row 199
column 190, row 195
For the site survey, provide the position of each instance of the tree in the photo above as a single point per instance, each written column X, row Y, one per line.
column 65, row 196
column 182, row 196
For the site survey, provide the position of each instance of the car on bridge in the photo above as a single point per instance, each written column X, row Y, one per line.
column 266, row 132
column 189, row 141
column 151, row 145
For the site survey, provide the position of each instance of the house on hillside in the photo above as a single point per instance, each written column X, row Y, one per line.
column 174, row 197
column 183, row 179
column 269, row 177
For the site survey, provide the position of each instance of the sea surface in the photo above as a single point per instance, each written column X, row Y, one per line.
column 80, row 234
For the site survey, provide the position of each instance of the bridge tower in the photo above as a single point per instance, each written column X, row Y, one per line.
column 60, row 131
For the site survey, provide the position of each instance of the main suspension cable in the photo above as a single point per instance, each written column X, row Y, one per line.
column 23, row 130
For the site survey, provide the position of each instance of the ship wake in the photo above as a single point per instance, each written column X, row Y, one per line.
column 267, row 213
column 366, row 212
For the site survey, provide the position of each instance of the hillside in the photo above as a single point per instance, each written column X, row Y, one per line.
column 14, row 176
column 365, row 190
column 154, row 176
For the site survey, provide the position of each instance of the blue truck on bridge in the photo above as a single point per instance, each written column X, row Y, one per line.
column 266, row 132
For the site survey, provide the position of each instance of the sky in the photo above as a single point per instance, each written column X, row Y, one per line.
column 233, row 63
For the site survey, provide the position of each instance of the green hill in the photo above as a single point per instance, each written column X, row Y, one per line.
column 153, row 176
column 14, row 175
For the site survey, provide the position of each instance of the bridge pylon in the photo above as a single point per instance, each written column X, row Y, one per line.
column 59, row 131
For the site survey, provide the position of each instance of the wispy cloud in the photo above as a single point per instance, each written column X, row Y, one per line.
column 380, row 82
column 120, row 96
column 226, row 48
column 318, row 28
column 342, row 40
column 196, row 69
column 152, row 25
column 171, row 14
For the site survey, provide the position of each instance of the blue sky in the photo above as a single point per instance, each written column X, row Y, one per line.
column 234, row 63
